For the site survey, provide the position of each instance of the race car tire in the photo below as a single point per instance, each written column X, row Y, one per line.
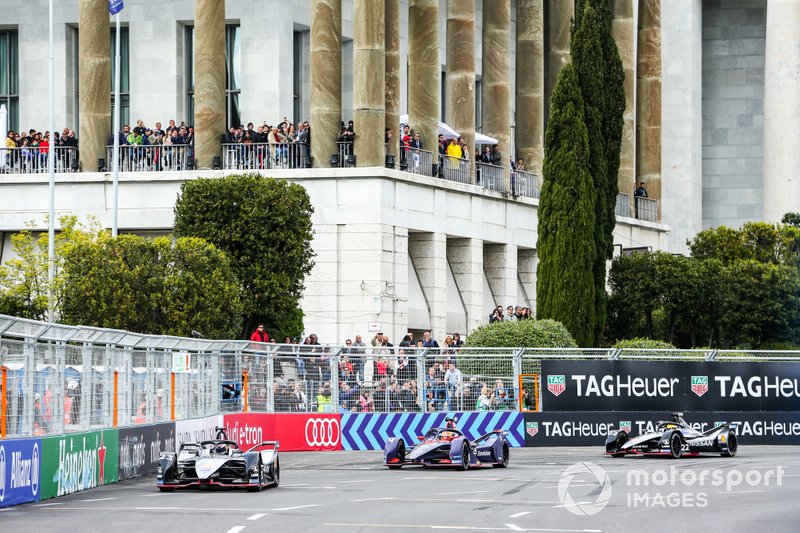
column 258, row 487
column 401, row 454
column 275, row 472
column 675, row 445
column 464, row 465
column 733, row 445
column 622, row 438
column 504, row 462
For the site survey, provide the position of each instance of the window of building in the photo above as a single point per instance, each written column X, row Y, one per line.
column 9, row 76
column 124, row 75
column 233, row 61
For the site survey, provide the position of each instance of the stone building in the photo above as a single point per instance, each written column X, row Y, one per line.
column 712, row 127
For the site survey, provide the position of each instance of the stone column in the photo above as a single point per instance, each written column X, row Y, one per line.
column 461, row 73
column 648, row 99
column 496, row 71
column 392, row 91
column 428, row 253
column 623, row 29
column 559, row 24
column 529, row 136
column 423, row 70
column 527, row 263
column 209, row 79
column 94, row 74
column 326, row 79
column 681, row 121
column 368, row 82
column 500, row 265
column 782, row 110
column 466, row 261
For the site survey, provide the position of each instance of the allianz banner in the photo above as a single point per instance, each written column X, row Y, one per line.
column 20, row 461
column 591, row 428
column 141, row 446
column 669, row 386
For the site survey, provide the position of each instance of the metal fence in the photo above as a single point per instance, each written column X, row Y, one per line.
column 265, row 156
column 417, row 161
column 646, row 209
column 454, row 168
column 59, row 379
column 524, row 184
column 491, row 177
column 33, row 160
column 152, row 158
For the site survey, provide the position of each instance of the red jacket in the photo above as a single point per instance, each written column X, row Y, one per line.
column 259, row 337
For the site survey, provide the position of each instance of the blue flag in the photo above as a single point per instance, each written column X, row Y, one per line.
column 115, row 6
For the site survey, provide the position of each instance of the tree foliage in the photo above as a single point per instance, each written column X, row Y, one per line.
column 264, row 225
column 150, row 286
column 759, row 241
column 521, row 334
column 565, row 283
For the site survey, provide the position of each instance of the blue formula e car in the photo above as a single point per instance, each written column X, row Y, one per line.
column 448, row 447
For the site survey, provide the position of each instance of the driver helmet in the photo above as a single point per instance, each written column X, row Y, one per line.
column 221, row 448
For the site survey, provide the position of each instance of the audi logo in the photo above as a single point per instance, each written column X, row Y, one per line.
column 322, row 432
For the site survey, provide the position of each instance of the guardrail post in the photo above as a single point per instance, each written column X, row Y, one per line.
column 270, row 381
column 172, row 396
column 29, row 394
column 711, row 355
column 421, row 358
column 516, row 365
column 3, row 400
column 334, row 364
column 114, row 415
column 615, row 353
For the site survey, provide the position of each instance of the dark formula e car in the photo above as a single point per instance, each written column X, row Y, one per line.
column 675, row 438
column 220, row 462
column 448, row 447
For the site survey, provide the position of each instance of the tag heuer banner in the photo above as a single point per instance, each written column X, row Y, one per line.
column 669, row 386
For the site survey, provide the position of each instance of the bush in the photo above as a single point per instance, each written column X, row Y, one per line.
column 523, row 334
column 640, row 342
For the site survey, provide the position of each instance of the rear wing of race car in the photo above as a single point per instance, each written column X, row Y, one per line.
column 274, row 443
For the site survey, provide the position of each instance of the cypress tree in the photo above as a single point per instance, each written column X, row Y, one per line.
column 565, row 289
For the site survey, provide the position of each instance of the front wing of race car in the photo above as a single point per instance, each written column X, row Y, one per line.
column 491, row 449
column 254, row 469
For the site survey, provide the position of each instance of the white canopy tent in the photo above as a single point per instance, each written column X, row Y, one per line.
column 480, row 138
column 444, row 129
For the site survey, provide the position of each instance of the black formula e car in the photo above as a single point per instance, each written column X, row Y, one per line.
column 675, row 438
column 448, row 447
column 220, row 462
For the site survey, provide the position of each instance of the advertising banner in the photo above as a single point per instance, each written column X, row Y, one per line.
column 20, row 463
column 591, row 428
column 369, row 431
column 669, row 386
column 196, row 429
column 294, row 431
column 72, row 463
column 141, row 446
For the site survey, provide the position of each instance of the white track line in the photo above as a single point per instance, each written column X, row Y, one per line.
column 463, row 528
column 256, row 516
column 99, row 500
column 235, row 529
column 514, row 527
column 465, row 492
column 296, row 507
column 517, row 515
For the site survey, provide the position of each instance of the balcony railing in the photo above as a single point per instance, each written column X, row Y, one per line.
column 646, row 209
column 417, row 161
column 33, row 160
column 623, row 206
column 524, row 184
column 454, row 168
column 152, row 158
column 264, row 156
column 491, row 177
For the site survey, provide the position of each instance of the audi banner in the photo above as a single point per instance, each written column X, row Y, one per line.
column 591, row 428
column 669, row 386
column 295, row 432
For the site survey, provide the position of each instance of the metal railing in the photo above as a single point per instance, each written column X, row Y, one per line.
column 60, row 379
column 491, row 177
column 33, row 160
column 524, row 184
column 152, row 157
column 454, row 168
column 417, row 161
column 346, row 156
column 264, row 156
column 623, row 205
column 646, row 208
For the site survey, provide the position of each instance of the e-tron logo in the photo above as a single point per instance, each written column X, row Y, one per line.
column 585, row 472
column 322, row 432
column 2, row 473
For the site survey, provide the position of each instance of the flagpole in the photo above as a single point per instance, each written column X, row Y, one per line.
column 117, row 105
column 51, row 230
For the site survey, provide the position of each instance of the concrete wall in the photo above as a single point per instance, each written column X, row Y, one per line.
column 733, row 111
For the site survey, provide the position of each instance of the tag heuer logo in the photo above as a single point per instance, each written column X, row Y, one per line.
column 556, row 384
column 625, row 425
column 699, row 385
column 532, row 428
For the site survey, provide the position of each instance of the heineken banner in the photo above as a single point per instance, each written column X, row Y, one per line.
column 669, row 386
column 19, row 471
column 591, row 428
column 72, row 463
column 141, row 446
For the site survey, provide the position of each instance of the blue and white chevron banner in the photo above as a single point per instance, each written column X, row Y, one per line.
column 369, row 431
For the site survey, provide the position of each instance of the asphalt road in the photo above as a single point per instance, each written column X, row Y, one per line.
column 544, row 489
